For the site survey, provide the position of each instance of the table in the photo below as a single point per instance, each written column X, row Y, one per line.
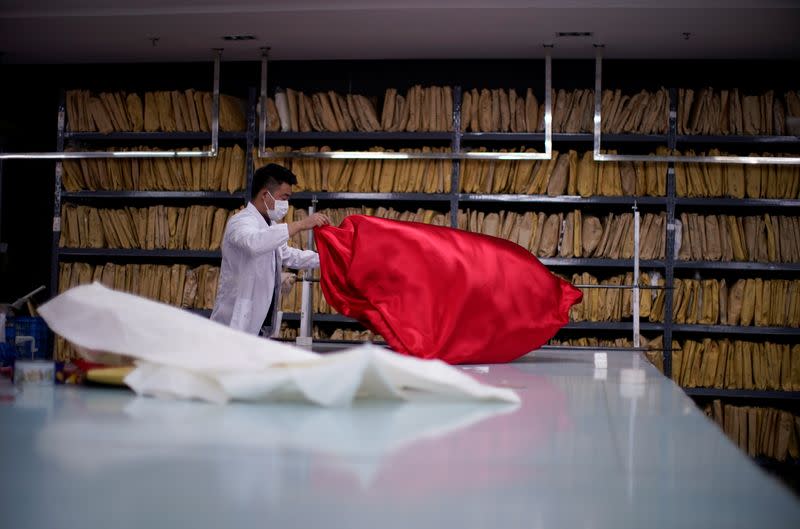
column 587, row 448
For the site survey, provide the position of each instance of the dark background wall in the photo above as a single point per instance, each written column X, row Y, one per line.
column 29, row 99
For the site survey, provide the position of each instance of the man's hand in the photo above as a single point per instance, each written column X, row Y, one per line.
column 317, row 219
column 308, row 223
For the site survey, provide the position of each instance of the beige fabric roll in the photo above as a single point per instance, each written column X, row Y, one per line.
column 541, row 219
column 135, row 112
column 294, row 114
column 447, row 97
column 713, row 243
column 303, row 121
column 466, row 110
column 181, row 109
column 100, row 116
column 337, row 112
column 306, row 107
column 505, row 114
column 532, row 117
column 519, row 115
column 566, row 248
column 526, row 228
column 324, row 111
column 557, row 183
column 513, row 123
column 355, row 115
column 550, row 236
column 751, row 114
column 586, row 177
column 389, row 102
column 166, row 117
column 496, row 120
column 748, row 302
column 627, row 177
column 485, row 110
column 591, row 232
column 192, row 120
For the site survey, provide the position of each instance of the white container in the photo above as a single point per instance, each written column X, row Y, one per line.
column 38, row 372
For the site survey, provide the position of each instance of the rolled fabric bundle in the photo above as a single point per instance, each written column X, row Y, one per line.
column 282, row 105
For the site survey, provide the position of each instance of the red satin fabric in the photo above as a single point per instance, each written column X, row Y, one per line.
column 435, row 292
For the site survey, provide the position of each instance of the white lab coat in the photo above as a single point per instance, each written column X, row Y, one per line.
column 253, row 254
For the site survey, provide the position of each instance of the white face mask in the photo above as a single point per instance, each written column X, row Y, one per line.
column 280, row 211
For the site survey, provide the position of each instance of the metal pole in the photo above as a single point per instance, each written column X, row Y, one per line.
column 304, row 338
column 635, row 296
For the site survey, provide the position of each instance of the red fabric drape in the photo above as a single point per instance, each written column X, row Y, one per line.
column 435, row 292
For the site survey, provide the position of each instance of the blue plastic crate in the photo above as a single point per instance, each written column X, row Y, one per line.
column 8, row 352
column 31, row 337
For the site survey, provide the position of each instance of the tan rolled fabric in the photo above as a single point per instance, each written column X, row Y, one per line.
column 387, row 115
column 135, row 111
column 495, row 114
column 466, row 110
column 587, row 175
column 100, row 116
column 179, row 109
column 192, row 119
column 566, row 248
column 485, row 110
column 550, row 236
column 591, row 232
column 532, row 117
column 294, row 114
column 520, row 115
column 557, row 183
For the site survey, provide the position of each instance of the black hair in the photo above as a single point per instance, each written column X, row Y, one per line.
column 271, row 176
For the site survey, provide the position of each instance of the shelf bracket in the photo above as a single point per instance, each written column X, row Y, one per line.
column 367, row 155
column 600, row 157
column 73, row 155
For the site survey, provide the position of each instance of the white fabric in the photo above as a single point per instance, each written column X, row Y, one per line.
column 253, row 253
column 182, row 355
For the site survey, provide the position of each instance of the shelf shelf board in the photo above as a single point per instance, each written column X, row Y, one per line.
column 696, row 138
column 735, row 329
column 561, row 137
column 737, row 265
column 153, row 254
column 416, row 197
column 742, row 393
column 375, row 136
column 325, row 318
column 598, row 263
column 737, row 202
column 215, row 195
column 612, row 326
column 151, row 136
column 563, row 199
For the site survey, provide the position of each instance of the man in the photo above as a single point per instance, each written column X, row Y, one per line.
column 254, row 250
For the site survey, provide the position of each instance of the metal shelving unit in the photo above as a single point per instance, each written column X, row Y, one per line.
column 161, row 256
column 460, row 142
